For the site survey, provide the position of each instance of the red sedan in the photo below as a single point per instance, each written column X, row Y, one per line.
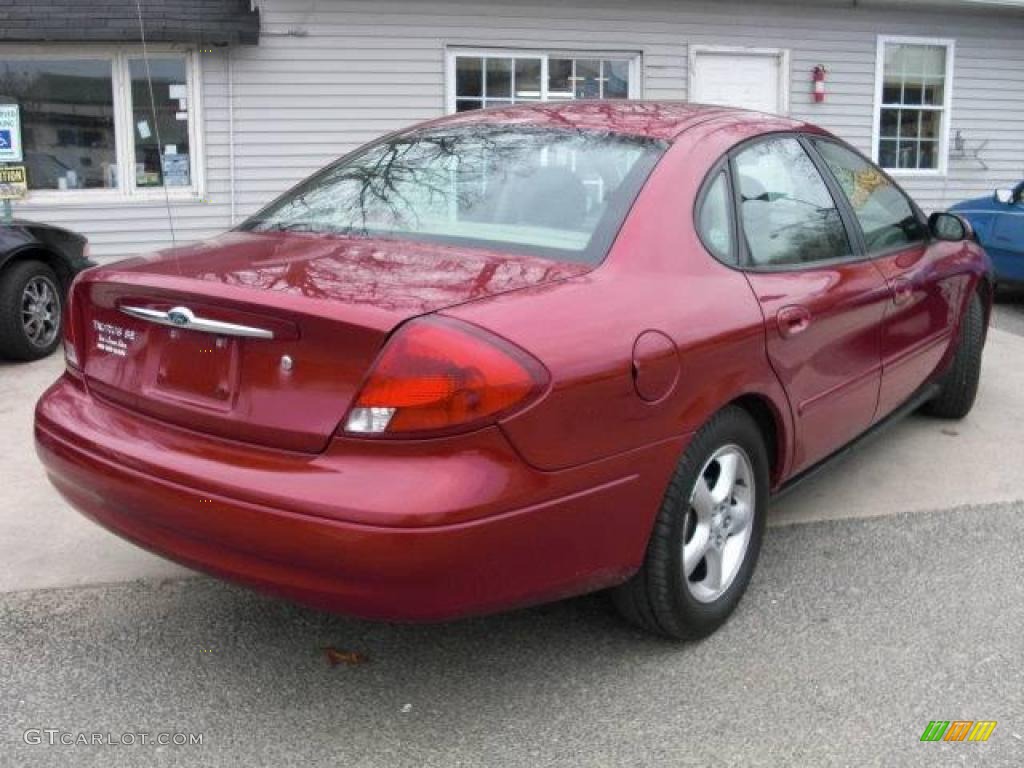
column 515, row 355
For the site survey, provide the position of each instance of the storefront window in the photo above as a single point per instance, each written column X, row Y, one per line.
column 161, row 138
column 90, row 124
column 67, row 121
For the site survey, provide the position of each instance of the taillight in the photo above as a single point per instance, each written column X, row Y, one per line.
column 71, row 356
column 440, row 375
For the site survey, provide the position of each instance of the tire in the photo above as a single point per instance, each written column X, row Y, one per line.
column 958, row 386
column 29, row 286
column 659, row 598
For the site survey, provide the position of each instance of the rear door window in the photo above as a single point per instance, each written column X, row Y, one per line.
column 884, row 213
column 787, row 215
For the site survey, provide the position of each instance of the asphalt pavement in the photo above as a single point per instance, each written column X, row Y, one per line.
column 853, row 636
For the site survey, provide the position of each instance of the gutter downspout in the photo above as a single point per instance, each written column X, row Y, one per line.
column 231, row 135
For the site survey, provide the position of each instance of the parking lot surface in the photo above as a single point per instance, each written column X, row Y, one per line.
column 854, row 635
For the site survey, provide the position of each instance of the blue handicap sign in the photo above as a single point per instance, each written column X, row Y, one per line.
column 5, row 139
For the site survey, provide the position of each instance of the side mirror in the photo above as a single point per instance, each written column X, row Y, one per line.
column 950, row 227
column 1004, row 196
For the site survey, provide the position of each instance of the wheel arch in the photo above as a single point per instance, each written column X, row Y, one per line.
column 771, row 423
column 38, row 252
column 985, row 288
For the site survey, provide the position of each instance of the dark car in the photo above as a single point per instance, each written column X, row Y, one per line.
column 37, row 264
column 512, row 356
column 998, row 222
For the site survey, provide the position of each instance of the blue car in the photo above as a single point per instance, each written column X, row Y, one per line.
column 998, row 222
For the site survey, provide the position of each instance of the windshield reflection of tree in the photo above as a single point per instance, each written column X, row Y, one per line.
column 397, row 185
column 457, row 174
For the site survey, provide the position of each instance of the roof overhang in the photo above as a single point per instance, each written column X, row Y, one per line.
column 198, row 22
column 976, row 6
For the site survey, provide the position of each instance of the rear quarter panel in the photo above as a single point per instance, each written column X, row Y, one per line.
column 657, row 276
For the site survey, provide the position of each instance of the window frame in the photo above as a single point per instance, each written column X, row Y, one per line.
column 124, row 131
column 545, row 55
column 945, row 110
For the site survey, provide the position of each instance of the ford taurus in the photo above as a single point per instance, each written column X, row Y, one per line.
column 515, row 355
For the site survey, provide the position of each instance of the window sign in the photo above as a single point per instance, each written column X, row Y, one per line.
column 12, row 182
column 91, row 125
column 10, row 133
column 175, row 168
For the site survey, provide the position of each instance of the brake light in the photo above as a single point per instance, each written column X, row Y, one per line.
column 71, row 356
column 441, row 375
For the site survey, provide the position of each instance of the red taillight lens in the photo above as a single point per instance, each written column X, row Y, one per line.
column 439, row 375
column 71, row 351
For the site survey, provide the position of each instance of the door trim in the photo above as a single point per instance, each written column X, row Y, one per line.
column 782, row 54
column 909, row 354
column 821, row 397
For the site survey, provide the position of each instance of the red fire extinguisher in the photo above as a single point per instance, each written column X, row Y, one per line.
column 819, row 82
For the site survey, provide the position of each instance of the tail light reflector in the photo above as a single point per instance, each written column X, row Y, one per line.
column 439, row 375
column 71, row 353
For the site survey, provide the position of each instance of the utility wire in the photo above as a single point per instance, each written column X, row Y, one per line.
column 156, row 123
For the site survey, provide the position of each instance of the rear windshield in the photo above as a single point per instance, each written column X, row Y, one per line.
column 545, row 192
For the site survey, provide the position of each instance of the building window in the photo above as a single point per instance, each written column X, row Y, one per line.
column 912, row 98
column 162, row 150
column 492, row 78
column 92, row 126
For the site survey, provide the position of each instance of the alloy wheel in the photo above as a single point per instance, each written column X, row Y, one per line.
column 40, row 311
column 718, row 523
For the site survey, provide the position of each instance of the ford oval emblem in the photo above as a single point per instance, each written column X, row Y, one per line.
column 180, row 316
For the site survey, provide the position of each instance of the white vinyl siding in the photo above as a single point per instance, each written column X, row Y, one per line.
column 327, row 77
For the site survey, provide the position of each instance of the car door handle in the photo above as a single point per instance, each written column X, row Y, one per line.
column 902, row 291
column 792, row 320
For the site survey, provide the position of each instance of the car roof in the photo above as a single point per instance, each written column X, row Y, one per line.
column 664, row 120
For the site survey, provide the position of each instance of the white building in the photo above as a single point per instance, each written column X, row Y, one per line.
column 251, row 99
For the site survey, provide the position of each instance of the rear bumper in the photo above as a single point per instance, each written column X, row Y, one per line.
column 425, row 531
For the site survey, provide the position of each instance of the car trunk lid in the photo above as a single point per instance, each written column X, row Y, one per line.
column 267, row 338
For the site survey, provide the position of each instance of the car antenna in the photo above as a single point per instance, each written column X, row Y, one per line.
column 156, row 123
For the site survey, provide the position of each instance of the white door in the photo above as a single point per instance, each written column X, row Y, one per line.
column 732, row 77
